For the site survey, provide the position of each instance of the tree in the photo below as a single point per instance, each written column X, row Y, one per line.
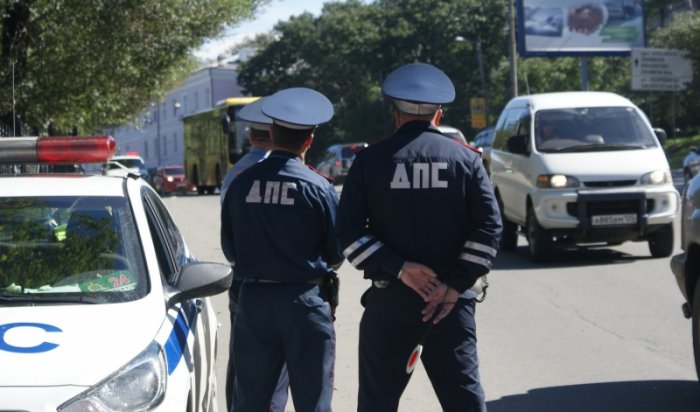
column 90, row 63
column 682, row 33
column 350, row 47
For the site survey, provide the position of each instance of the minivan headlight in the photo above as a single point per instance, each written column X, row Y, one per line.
column 657, row 177
column 557, row 181
column 137, row 386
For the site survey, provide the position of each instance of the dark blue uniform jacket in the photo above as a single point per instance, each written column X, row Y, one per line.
column 419, row 196
column 277, row 221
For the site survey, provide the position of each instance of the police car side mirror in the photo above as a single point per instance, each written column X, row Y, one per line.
column 200, row 279
column 661, row 135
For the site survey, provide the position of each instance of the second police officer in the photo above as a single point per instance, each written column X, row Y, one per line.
column 260, row 141
column 277, row 228
column 418, row 215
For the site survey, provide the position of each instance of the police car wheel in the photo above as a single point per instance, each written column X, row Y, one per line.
column 696, row 327
column 538, row 239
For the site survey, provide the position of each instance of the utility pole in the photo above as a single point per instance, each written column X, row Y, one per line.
column 512, row 50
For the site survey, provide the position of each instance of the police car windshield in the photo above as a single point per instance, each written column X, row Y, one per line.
column 588, row 129
column 69, row 249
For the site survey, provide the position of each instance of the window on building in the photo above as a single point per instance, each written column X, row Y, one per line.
column 165, row 145
column 196, row 102
column 207, row 98
column 184, row 104
column 164, row 111
column 145, row 150
column 175, row 142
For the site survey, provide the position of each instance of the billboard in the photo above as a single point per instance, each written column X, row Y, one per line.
column 579, row 27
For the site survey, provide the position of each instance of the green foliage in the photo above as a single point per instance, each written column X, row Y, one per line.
column 90, row 63
column 347, row 51
column 683, row 33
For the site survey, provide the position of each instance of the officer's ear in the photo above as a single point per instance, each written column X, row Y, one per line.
column 437, row 117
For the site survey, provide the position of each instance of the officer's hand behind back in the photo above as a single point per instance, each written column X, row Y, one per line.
column 420, row 278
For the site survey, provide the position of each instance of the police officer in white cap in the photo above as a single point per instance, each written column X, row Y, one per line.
column 277, row 228
column 417, row 214
column 260, row 142
column 259, row 138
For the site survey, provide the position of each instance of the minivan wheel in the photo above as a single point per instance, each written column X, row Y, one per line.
column 661, row 242
column 538, row 239
column 696, row 327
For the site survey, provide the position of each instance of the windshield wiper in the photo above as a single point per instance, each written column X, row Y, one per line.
column 599, row 147
column 46, row 298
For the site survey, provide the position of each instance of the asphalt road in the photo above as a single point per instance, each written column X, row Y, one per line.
column 596, row 329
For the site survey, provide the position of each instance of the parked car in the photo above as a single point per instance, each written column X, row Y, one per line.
column 121, row 165
column 171, row 179
column 580, row 168
column 338, row 159
column 484, row 139
column 691, row 164
column 453, row 132
column 102, row 306
column 686, row 265
column 482, row 142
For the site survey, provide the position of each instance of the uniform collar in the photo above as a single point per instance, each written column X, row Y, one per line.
column 416, row 125
column 284, row 154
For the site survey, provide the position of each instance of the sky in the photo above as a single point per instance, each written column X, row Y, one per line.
column 262, row 22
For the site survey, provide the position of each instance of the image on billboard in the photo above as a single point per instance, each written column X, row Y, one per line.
column 579, row 27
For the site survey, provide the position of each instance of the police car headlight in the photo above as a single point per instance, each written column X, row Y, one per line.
column 137, row 386
column 657, row 177
column 557, row 181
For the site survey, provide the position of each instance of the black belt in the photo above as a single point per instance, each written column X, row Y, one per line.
column 315, row 281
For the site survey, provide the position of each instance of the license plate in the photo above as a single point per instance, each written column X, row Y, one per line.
column 604, row 220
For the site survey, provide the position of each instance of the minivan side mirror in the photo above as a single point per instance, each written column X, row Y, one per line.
column 661, row 135
column 518, row 144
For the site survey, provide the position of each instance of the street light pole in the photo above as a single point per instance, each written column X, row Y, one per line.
column 512, row 49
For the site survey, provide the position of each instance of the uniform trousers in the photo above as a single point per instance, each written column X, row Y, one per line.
column 278, row 323
column 390, row 328
column 281, row 394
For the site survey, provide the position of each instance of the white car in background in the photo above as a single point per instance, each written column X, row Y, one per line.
column 102, row 306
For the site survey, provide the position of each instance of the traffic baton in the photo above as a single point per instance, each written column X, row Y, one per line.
column 415, row 355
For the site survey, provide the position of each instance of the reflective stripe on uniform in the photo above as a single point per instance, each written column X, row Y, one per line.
column 356, row 245
column 480, row 247
column 476, row 259
column 367, row 253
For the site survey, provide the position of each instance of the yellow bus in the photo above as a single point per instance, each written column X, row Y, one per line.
column 213, row 140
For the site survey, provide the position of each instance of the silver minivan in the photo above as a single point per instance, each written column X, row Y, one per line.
column 573, row 168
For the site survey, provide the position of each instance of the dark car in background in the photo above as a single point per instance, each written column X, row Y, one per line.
column 686, row 265
column 482, row 142
column 171, row 179
column 691, row 164
column 338, row 159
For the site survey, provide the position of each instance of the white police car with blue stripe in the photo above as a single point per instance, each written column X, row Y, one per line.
column 102, row 307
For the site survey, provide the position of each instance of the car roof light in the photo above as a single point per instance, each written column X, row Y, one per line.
column 57, row 149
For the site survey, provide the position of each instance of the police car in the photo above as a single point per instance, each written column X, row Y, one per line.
column 102, row 306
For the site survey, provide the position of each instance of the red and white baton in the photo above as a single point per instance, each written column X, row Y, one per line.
column 415, row 355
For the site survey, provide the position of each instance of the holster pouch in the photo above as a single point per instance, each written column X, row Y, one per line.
column 331, row 289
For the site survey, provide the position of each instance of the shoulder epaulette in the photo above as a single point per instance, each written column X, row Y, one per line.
column 330, row 179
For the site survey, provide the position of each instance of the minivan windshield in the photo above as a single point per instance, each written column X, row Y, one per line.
column 588, row 129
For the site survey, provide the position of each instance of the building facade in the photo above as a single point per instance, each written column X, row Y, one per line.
column 157, row 133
